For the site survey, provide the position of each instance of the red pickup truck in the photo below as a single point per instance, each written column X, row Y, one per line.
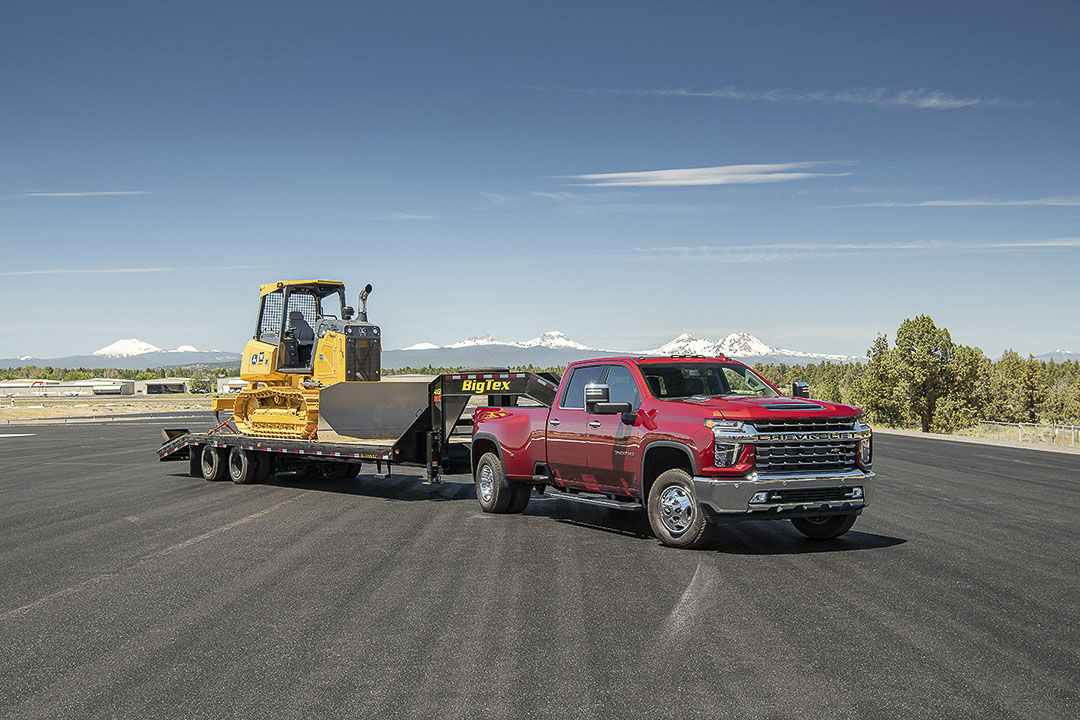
column 692, row 440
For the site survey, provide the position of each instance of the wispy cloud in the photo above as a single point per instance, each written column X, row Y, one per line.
column 405, row 216
column 95, row 193
column 916, row 98
column 778, row 252
column 87, row 271
column 717, row 175
column 1037, row 202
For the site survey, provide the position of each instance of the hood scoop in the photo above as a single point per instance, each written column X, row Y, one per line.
column 792, row 406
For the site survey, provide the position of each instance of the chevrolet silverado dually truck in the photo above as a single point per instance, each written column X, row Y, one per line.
column 691, row 440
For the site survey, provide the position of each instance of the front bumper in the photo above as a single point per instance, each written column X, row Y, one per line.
column 731, row 497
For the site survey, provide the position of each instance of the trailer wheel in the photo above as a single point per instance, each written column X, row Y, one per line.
column 352, row 471
column 213, row 465
column 824, row 527
column 492, row 490
column 242, row 466
column 676, row 518
column 264, row 466
column 195, row 461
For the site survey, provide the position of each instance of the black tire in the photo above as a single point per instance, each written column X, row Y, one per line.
column 352, row 470
column 676, row 518
column 492, row 490
column 243, row 466
column 824, row 527
column 195, row 461
column 519, row 497
column 212, row 463
column 264, row 467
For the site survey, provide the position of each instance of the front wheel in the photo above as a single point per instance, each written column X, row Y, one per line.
column 676, row 518
column 824, row 527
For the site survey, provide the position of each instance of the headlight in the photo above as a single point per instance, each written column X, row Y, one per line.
column 725, row 454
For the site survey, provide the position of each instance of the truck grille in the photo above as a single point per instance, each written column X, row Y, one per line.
column 804, row 425
column 799, row 456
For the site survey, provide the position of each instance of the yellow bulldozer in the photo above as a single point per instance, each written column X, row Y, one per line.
column 313, row 369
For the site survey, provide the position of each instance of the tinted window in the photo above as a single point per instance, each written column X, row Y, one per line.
column 677, row 381
column 574, row 397
column 623, row 387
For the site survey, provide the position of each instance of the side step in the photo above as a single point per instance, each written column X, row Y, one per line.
column 591, row 500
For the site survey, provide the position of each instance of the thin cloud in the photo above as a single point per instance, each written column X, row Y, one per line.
column 95, row 193
column 891, row 98
column 1036, row 202
column 405, row 216
column 717, row 175
column 778, row 252
column 87, row 271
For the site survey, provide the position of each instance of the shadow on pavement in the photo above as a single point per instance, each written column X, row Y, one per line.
column 782, row 539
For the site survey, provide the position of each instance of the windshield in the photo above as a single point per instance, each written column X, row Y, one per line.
column 679, row 381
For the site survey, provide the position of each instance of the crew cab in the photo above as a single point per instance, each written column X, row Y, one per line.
column 691, row 440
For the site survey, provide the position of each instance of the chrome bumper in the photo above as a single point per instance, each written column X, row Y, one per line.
column 731, row 496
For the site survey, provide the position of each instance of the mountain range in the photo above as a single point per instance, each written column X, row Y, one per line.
column 546, row 350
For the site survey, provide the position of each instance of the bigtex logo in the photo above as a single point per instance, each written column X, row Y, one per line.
column 483, row 386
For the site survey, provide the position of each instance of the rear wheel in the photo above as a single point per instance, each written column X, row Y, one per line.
column 212, row 462
column 676, row 518
column 824, row 527
column 492, row 490
column 243, row 466
column 519, row 497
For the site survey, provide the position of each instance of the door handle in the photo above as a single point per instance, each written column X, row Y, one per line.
column 554, row 422
column 594, row 423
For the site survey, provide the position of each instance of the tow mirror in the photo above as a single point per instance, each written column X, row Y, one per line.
column 800, row 390
column 596, row 393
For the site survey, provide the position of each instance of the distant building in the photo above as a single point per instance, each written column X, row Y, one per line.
column 61, row 388
column 231, row 384
column 163, row 386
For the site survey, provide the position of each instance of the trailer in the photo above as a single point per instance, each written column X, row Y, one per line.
column 417, row 424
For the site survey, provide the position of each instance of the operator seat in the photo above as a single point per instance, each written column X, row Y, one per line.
column 304, row 336
column 654, row 385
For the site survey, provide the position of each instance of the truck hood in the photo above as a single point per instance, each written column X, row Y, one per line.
column 755, row 408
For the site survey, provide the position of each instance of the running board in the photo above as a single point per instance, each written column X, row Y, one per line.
column 601, row 501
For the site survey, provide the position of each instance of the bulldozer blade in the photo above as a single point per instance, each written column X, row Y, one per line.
column 370, row 410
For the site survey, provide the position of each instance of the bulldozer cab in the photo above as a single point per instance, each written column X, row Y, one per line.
column 290, row 315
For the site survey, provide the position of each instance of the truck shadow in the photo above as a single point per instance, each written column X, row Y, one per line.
column 777, row 537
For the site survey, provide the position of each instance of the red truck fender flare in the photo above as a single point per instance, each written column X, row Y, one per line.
column 474, row 458
column 655, row 444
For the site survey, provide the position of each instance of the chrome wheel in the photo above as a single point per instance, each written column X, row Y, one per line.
column 485, row 483
column 676, row 509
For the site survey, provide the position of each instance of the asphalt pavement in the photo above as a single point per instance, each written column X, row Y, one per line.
column 130, row 590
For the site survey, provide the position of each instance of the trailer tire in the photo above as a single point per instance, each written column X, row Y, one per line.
column 242, row 465
column 352, row 471
column 519, row 497
column 195, row 461
column 824, row 527
column 676, row 517
column 264, row 466
column 492, row 490
column 212, row 463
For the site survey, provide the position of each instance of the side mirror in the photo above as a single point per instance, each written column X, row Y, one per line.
column 596, row 393
column 800, row 390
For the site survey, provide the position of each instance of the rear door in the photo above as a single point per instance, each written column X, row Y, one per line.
column 613, row 447
column 568, row 429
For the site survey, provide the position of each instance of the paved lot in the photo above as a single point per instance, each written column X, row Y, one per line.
column 133, row 591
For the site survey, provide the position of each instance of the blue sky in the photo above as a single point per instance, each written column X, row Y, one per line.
column 620, row 171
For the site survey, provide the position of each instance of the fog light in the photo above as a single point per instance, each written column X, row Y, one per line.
column 760, row 497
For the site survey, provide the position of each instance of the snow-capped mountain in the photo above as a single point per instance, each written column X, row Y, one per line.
column 1059, row 355
column 555, row 348
column 551, row 339
column 126, row 348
